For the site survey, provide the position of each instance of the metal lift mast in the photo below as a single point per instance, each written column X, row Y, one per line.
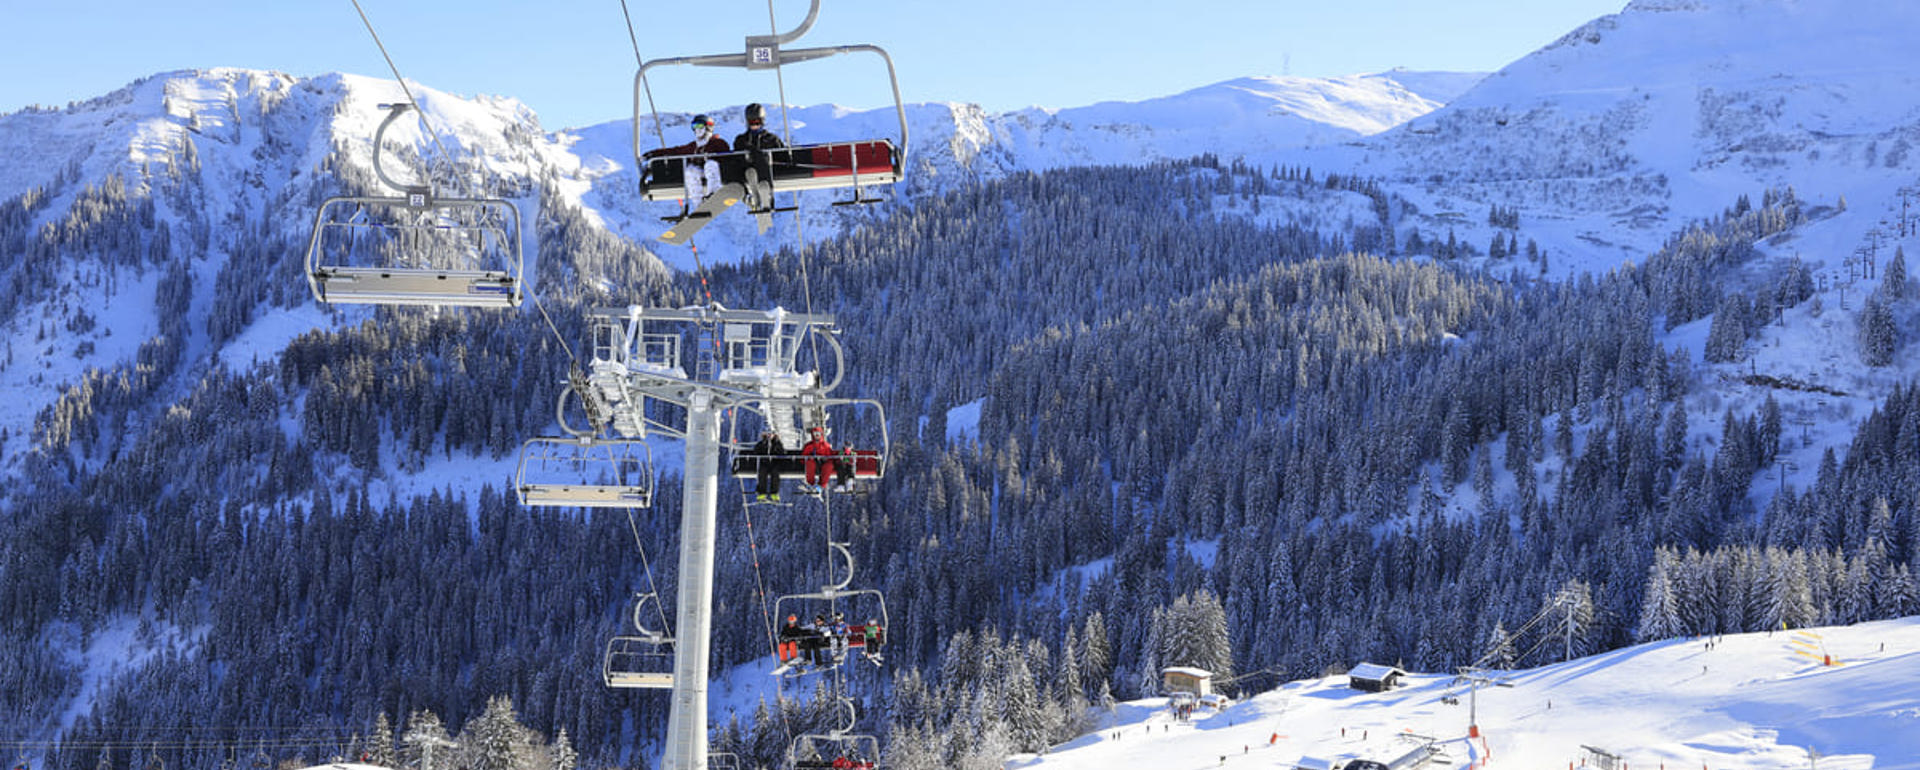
column 743, row 359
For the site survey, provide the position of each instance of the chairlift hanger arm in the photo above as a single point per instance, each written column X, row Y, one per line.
column 394, row 111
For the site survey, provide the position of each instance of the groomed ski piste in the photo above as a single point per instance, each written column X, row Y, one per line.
column 1754, row 701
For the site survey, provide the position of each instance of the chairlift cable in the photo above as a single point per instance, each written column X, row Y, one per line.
column 766, row 614
column 555, row 329
column 800, row 246
column 780, row 76
column 649, row 89
column 658, row 607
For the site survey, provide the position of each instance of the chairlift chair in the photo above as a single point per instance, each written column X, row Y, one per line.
column 416, row 248
column 856, row 164
column 836, row 749
column 643, row 661
column 867, row 637
column 870, row 453
column 585, row 472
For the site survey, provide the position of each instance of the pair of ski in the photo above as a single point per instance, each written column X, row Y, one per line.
column 798, row 667
column 685, row 225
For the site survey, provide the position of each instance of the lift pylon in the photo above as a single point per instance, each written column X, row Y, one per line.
column 638, row 379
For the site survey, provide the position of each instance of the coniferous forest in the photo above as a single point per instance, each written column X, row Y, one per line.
column 1261, row 448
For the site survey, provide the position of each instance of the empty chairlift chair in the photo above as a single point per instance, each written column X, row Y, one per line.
column 585, row 472
column 416, row 248
column 644, row 661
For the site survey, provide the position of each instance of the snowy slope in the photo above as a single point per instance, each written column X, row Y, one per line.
column 1753, row 701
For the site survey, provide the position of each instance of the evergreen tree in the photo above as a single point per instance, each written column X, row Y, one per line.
column 1786, row 591
column 1879, row 337
column 1893, row 283
column 1499, row 648
column 380, row 746
column 1195, row 634
column 1727, row 336
column 562, row 755
column 1659, row 610
column 1096, row 654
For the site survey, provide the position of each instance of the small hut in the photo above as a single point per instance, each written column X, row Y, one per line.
column 1198, row 681
column 1373, row 677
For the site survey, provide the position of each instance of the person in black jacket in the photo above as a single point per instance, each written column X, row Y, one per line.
column 755, row 142
column 767, row 453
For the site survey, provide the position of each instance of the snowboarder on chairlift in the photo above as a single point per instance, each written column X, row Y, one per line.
column 766, row 479
column 818, row 470
column 702, row 174
column 755, row 142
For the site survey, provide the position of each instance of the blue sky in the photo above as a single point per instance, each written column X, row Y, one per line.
column 573, row 63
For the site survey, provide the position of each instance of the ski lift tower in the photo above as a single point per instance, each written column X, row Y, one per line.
column 742, row 359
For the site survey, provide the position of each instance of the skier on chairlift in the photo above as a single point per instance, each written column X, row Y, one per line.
column 755, row 142
column 766, row 479
column 839, row 633
column 843, row 469
column 790, row 635
column 817, row 469
column 822, row 641
column 702, row 174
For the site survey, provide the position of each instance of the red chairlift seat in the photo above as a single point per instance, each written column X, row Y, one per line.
column 826, row 166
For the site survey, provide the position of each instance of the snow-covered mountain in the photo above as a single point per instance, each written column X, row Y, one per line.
column 953, row 143
column 1638, row 122
column 255, row 147
column 1760, row 701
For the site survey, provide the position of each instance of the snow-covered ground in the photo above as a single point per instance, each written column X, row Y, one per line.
column 1751, row 701
column 122, row 645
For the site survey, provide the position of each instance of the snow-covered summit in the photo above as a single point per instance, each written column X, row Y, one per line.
column 1637, row 122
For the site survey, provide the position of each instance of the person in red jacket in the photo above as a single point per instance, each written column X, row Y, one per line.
column 818, row 470
column 702, row 174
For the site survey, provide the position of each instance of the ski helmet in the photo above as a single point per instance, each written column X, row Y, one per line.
column 756, row 113
column 702, row 120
